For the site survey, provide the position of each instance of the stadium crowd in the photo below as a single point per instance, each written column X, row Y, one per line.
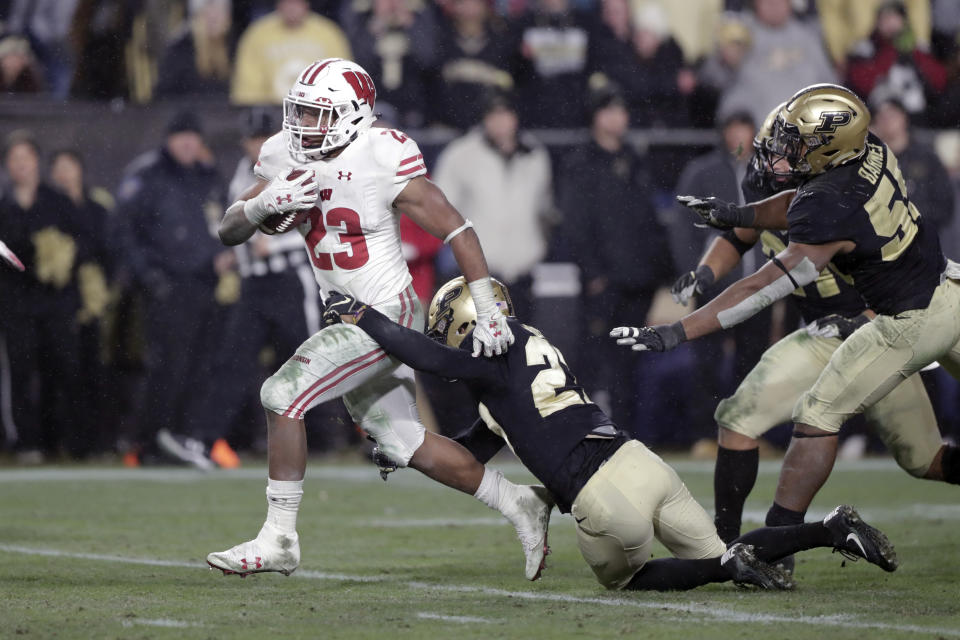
column 135, row 329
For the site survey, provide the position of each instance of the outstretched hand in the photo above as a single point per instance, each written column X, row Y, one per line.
column 341, row 307
column 716, row 213
column 661, row 337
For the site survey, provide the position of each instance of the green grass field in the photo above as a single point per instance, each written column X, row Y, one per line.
column 114, row 553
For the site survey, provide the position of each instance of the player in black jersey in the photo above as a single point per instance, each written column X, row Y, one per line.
column 851, row 209
column 832, row 310
column 621, row 495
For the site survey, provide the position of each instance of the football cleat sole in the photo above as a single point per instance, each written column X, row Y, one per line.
column 244, row 574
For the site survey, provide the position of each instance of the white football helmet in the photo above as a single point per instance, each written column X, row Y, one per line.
column 329, row 105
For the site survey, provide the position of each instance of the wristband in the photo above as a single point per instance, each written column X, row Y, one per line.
column 253, row 212
column 705, row 276
column 481, row 290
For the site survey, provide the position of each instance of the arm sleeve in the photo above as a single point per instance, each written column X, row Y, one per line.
column 481, row 441
column 420, row 352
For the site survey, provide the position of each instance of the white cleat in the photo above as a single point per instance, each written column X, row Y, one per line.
column 530, row 516
column 271, row 550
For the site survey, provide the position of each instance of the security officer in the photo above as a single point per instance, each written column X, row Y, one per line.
column 168, row 206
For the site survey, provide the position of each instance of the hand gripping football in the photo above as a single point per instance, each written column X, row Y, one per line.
column 284, row 222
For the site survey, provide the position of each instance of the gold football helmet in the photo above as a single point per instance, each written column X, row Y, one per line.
column 452, row 313
column 820, row 127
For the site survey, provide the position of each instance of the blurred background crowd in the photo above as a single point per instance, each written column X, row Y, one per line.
column 561, row 128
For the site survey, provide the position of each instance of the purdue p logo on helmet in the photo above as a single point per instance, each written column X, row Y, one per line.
column 452, row 313
column 820, row 127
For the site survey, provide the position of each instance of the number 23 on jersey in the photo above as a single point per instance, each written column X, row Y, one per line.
column 345, row 224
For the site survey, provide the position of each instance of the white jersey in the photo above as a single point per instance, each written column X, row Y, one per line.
column 353, row 234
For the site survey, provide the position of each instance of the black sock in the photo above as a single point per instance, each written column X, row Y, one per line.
column 773, row 543
column 779, row 516
column 733, row 480
column 675, row 574
column 951, row 464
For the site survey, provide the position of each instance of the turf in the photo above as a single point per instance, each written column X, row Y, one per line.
column 112, row 553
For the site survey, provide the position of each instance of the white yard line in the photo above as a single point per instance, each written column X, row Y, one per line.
column 459, row 619
column 353, row 473
column 159, row 622
column 708, row 613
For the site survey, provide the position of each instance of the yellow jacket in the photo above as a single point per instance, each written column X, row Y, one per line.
column 270, row 56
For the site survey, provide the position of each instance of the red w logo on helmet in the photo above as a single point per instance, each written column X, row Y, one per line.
column 362, row 86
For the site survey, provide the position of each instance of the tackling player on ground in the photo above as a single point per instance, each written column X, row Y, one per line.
column 831, row 307
column 354, row 180
column 851, row 209
column 622, row 496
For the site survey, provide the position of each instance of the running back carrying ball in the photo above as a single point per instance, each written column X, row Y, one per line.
column 284, row 222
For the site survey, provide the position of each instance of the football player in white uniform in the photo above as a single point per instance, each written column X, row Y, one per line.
column 354, row 180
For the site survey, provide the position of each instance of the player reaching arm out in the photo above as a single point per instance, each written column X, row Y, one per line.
column 798, row 265
column 424, row 203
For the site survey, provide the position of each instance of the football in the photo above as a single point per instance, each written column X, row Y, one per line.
column 284, row 222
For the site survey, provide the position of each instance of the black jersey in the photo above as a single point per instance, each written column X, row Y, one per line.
column 831, row 292
column 897, row 262
column 527, row 398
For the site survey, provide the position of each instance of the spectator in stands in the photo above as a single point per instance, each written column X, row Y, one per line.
column 660, row 83
column 19, row 70
column 638, row 54
column 101, row 31
column 946, row 112
column 611, row 52
column 787, row 53
column 197, row 61
column 500, row 179
column 946, row 28
column 891, row 65
column 719, row 70
column 93, row 429
column 46, row 23
column 846, row 22
column 169, row 204
column 928, row 182
column 612, row 232
column 473, row 55
column 552, row 63
column 395, row 41
column 39, row 325
column 275, row 48
column 691, row 23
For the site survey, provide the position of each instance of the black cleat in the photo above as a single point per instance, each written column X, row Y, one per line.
column 747, row 569
column 855, row 539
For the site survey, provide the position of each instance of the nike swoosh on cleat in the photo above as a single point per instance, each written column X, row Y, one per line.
column 856, row 540
column 579, row 520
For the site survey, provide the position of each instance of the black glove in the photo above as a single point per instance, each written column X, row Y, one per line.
column 384, row 464
column 338, row 304
column 836, row 326
column 690, row 283
column 662, row 337
column 718, row 213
